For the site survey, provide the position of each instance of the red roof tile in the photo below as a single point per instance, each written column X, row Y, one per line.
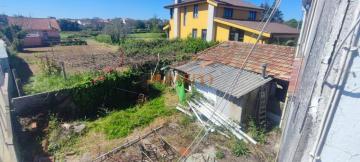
column 34, row 23
column 278, row 58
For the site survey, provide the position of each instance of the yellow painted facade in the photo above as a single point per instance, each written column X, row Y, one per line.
column 238, row 13
column 191, row 23
column 221, row 28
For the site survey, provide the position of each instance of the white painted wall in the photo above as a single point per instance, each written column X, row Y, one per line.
column 210, row 27
column 230, row 109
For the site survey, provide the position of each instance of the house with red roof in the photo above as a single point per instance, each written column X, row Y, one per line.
column 40, row 31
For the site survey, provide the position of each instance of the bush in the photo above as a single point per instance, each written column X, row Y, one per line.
column 219, row 154
column 103, row 38
column 240, row 149
column 256, row 132
column 179, row 48
column 123, row 122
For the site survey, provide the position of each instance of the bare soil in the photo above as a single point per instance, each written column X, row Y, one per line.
column 76, row 59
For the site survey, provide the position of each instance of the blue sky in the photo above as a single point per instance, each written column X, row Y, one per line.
column 138, row 9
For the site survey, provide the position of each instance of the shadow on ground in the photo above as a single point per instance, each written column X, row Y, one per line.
column 22, row 68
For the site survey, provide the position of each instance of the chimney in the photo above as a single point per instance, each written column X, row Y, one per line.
column 264, row 66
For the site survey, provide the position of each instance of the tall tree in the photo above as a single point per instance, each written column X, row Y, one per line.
column 117, row 30
column 278, row 16
column 293, row 23
column 68, row 25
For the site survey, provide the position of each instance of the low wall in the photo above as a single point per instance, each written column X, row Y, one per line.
column 43, row 101
column 7, row 148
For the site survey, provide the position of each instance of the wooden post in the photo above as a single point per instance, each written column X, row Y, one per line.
column 63, row 69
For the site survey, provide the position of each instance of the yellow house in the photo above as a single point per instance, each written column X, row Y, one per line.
column 223, row 20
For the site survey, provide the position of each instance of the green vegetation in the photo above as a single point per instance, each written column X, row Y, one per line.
column 186, row 121
column 147, row 36
column 123, row 122
column 220, row 154
column 240, row 149
column 256, row 132
column 182, row 49
column 103, row 38
column 48, row 83
column 59, row 138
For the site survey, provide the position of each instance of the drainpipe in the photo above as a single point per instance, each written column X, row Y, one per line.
column 176, row 20
column 211, row 24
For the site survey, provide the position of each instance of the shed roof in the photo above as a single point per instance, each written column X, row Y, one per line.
column 221, row 77
column 27, row 23
column 278, row 58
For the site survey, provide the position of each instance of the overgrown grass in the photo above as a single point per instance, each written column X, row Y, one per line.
column 121, row 123
column 47, row 83
column 103, row 38
column 182, row 49
column 240, row 149
column 147, row 36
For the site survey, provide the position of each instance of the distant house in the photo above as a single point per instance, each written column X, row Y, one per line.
column 257, row 93
column 40, row 31
column 223, row 20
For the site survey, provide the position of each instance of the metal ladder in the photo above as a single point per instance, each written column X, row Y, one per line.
column 262, row 105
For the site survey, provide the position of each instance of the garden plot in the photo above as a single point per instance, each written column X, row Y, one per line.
column 76, row 58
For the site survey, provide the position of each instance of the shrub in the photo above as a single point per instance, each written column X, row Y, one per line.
column 219, row 154
column 122, row 123
column 103, row 38
column 240, row 149
column 182, row 49
column 256, row 132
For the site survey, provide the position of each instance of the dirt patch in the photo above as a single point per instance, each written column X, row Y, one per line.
column 76, row 58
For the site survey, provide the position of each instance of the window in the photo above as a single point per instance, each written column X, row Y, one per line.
column 228, row 13
column 196, row 11
column 194, row 33
column 236, row 35
column 185, row 12
column 203, row 34
column 252, row 15
column 171, row 13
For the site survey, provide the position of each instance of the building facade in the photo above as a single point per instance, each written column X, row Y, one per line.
column 40, row 31
column 223, row 20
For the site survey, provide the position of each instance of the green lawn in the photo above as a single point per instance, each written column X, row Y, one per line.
column 147, row 36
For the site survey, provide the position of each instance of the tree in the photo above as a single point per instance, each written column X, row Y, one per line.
column 155, row 24
column 117, row 30
column 278, row 16
column 67, row 25
column 293, row 23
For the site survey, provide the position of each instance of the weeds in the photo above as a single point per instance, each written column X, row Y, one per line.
column 186, row 120
column 59, row 138
column 256, row 132
column 219, row 154
column 122, row 123
column 240, row 149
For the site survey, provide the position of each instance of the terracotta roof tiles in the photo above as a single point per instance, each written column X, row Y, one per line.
column 278, row 58
column 34, row 23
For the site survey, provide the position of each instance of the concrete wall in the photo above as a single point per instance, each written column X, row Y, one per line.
column 7, row 150
column 42, row 101
column 322, row 117
column 236, row 109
